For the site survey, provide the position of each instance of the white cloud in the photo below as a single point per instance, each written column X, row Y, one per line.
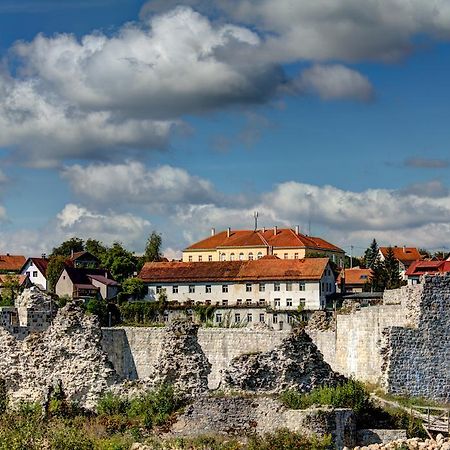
column 335, row 82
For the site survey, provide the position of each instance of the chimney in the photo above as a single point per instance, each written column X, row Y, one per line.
column 404, row 249
column 213, row 231
column 263, row 229
column 228, row 232
column 275, row 230
column 71, row 253
column 297, row 229
column 44, row 256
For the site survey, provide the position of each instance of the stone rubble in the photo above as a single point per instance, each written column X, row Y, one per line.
column 34, row 298
column 320, row 322
column 295, row 364
column 440, row 443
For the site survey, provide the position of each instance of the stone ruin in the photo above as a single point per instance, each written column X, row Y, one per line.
column 294, row 364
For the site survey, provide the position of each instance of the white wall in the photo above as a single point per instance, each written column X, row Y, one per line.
column 39, row 280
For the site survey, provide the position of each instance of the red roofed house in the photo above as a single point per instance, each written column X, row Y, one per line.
column 240, row 245
column 404, row 255
column 354, row 280
column 251, row 290
column 11, row 263
column 36, row 269
column 420, row 268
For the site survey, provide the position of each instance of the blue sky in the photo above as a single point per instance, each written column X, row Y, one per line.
column 119, row 117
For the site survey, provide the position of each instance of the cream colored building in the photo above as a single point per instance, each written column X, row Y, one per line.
column 285, row 243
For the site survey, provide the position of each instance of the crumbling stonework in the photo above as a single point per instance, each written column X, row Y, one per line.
column 69, row 350
column 320, row 322
column 294, row 364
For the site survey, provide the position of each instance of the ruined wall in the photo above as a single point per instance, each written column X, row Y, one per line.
column 134, row 351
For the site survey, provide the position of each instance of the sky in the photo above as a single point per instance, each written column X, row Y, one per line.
column 119, row 117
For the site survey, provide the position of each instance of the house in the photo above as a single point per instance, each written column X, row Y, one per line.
column 23, row 280
column 420, row 268
column 248, row 290
column 354, row 280
column 36, row 269
column 240, row 245
column 11, row 263
column 83, row 260
column 404, row 255
column 86, row 283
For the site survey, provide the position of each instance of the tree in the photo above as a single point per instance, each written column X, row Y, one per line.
column 371, row 255
column 96, row 248
column 134, row 288
column 119, row 261
column 11, row 289
column 54, row 270
column 391, row 269
column 67, row 247
column 377, row 281
column 153, row 247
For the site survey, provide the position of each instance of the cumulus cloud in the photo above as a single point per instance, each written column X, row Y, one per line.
column 335, row 82
column 3, row 181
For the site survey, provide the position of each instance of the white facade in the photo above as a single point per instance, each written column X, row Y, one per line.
column 284, row 295
column 35, row 275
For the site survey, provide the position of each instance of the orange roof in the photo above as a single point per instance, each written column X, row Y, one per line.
column 418, row 268
column 284, row 238
column 268, row 269
column 20, row 278
column 403, row 254
column 356, row 276
column 11, row 263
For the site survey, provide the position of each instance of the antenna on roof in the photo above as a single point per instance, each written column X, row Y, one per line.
column 255, row 215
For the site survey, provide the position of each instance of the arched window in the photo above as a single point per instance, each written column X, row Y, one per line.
column 222, row 256
column 241, row 256
column 231, row 256
column 250, row 256
column 259, row 255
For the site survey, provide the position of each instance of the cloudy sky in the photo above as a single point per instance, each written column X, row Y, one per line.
column 118, row 117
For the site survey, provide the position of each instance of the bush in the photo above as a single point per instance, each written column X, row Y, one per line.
column 111, row 405
column 288, row 440
column 351, row 394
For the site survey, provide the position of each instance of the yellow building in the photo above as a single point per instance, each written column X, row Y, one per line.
column 286, row 243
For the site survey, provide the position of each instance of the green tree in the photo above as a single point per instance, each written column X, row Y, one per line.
column 371, row 255
column 11, row 289
column 54, row 270
column 67, row 247
column 377, row 281
column 153, row 247
column 134, row 288
column 119, row 261
column 391, row 270
column 96, row 248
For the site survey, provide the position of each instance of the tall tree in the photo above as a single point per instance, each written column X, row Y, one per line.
column 371, row 255
column 392, row 272
column 153, row 247
column 96, row 248
column 119, row 261
column 54, row 270
column 377, row 281
column 67, row 247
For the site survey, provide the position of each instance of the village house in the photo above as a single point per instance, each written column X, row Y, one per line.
column 11, row 263
column 83, row 260
column 353, row 280
column 241, row 245
column 82, row 283
column 36, row 269
column 262, row 290
column 418, row 269
column 404, row 255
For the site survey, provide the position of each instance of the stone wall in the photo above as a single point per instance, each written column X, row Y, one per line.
column 135, row 351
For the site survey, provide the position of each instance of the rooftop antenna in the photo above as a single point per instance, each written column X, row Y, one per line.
column 255, row 215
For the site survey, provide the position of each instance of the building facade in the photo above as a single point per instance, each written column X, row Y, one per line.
column 36, row 269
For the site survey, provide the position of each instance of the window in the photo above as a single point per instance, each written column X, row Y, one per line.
column 276, row 287
column 302, row 302
column 166, row 317
column 35, row 273
column 277, row 301
column 231, row 256
column 218, row 318
column 241, row 256
column 158, row 289
column 225, row 288
column 248, row 301
column 302, row 286
column 262, row 301
column 239, row 301
column 222, row 257
column 259, row 256
column 275, row 318
column 207, row 302
column 323, row 286
column 285, row 256
column 249, row 317
column 250, row 256
column 174, row 289
column 191, row 289
column 224, row 302
column 289, row 302
column 237, row 318
column 248, row 287
column 289, row 319
column 262, row 317
column 295, row 255
column 262, row 287
column 209, row 258
column 289, row 286
column 200, row 258
column 208, row 289
column 190, row 258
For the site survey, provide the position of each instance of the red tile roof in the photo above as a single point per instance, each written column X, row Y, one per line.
column 11, row 263
column 418, row 268
column 20, row 278
column 40, row 263
column 268, row 269
column 356, row 276
column 403, row 254
column 284, row 238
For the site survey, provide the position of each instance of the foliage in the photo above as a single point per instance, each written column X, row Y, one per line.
column 3, row 396
column 134, row 289
column 287, row 440
column 140, row 313
column 112, row 405
column 67, row 247
column 97, row 307
column 153, row 247
column 351, row 394
column 392, row 274
column 96, row 248
column 371, row 255
column 119, row 261
column 353, row 262
column 204, row 313
column 10, row 290
column 54, row 270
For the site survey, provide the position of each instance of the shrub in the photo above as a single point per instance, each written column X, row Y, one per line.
column 288, row 440
column 111, row 405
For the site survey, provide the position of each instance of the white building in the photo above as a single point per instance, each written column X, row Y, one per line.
column 267, row 283
column 36, row 269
